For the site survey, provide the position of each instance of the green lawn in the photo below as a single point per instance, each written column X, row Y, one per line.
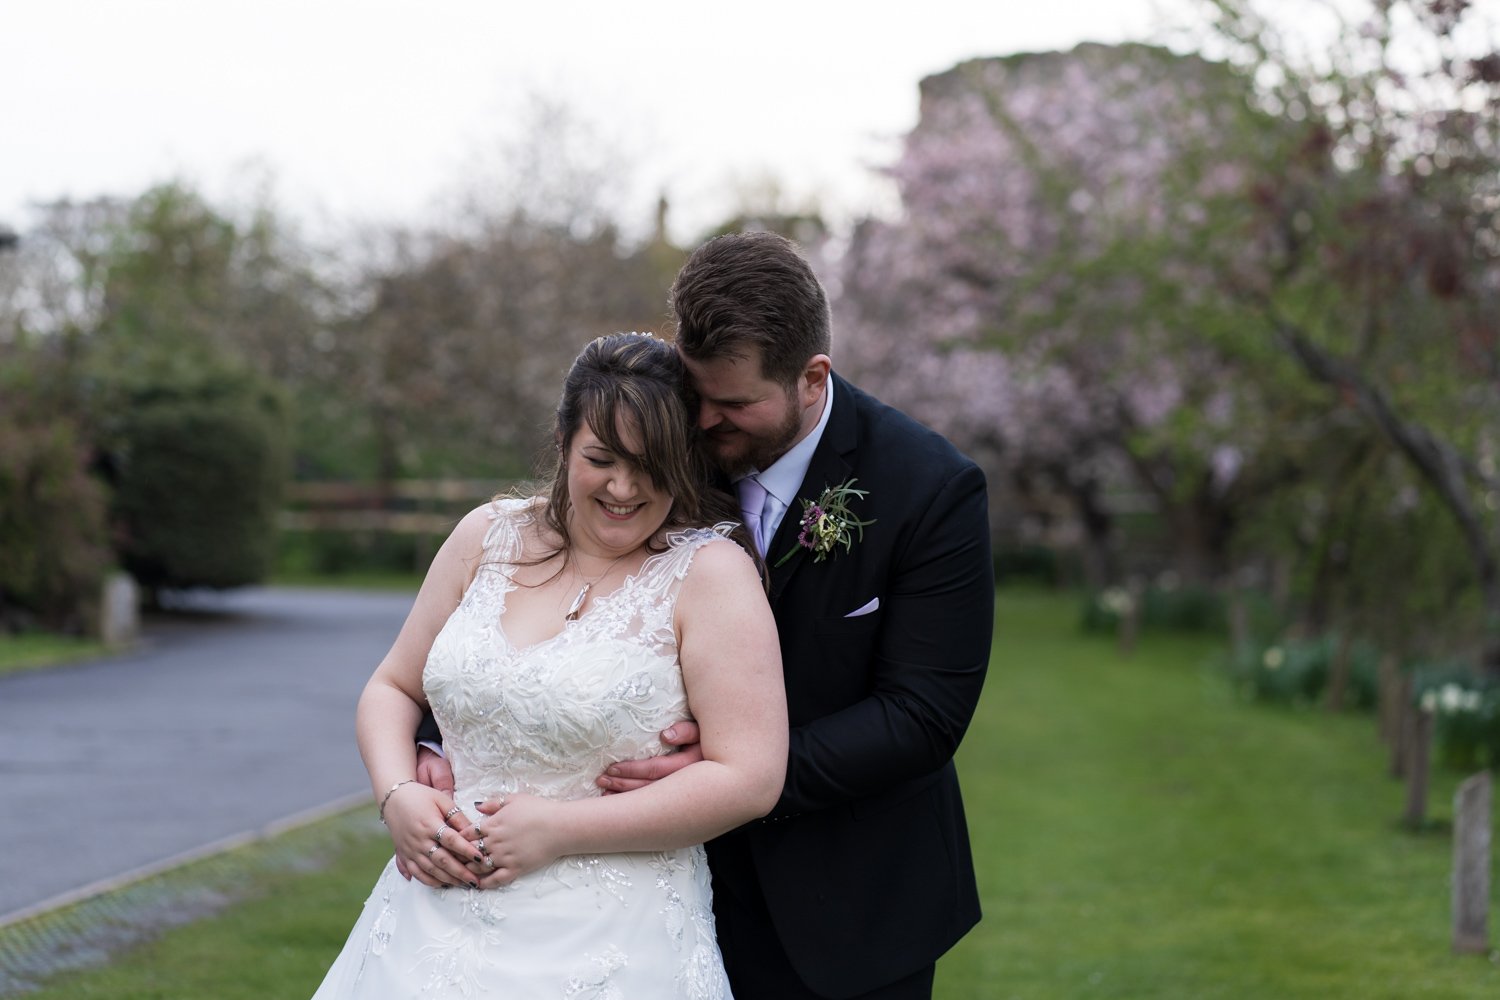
column 30, row 650
column 1140, row 834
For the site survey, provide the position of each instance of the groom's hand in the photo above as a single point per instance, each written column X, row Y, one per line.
column 434, row 771
column 628, row 775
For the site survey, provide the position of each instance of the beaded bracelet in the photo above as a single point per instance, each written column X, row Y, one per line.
column 391, row 791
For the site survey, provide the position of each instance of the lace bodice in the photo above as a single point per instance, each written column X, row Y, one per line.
column 549, row 717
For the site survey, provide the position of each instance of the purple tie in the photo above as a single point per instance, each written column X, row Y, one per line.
column 752, row 501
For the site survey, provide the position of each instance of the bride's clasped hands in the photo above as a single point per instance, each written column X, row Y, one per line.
column 439, row 845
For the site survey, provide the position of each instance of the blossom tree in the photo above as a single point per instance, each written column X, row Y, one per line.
column 1041, row 299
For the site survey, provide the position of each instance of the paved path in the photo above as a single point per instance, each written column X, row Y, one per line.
column 220, row 723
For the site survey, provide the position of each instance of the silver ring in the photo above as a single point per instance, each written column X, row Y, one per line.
column 449, row 814
column 489, row 861
column 439, row 835
column 432, row 850
column 482, row 849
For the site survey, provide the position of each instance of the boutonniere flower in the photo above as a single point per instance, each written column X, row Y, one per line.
column 827, row 522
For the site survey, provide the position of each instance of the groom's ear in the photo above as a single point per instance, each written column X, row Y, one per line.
column 814, row 378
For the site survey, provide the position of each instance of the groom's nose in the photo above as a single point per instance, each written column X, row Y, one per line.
column 709, row 416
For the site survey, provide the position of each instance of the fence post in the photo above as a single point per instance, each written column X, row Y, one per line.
column 1471, row 865
column 119, row 610
column 1404, row 719
column 1418, row 768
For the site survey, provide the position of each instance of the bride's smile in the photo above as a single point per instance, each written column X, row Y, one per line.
column 617, row 507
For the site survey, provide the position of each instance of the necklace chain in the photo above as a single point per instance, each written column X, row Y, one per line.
column 576, row 607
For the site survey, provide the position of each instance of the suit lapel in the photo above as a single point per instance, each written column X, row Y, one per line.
column 829, row 467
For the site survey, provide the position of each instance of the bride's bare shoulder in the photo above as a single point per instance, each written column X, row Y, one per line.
column 719, row 564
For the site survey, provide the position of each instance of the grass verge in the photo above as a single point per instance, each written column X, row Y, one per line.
column 31, row 650
column 258, row 922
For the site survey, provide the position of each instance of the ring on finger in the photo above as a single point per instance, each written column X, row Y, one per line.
column 489, row 861
column 449, row 814
column 432, row 850
column 482, row 848
column 438, row 837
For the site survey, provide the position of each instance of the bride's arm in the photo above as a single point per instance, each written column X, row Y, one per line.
column 391, row 706
column 731, row 665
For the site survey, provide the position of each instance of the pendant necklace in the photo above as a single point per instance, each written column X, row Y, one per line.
column 583, row 592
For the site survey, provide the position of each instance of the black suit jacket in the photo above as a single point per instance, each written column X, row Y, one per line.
column 865, row 862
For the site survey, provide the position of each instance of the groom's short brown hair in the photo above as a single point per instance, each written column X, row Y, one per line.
column 751, row 289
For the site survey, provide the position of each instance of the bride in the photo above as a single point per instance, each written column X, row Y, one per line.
column 552, row 637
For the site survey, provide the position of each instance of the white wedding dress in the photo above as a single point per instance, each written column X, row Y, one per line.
column 547, row 720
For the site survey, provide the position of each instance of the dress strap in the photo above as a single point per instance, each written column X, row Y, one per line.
column 502, row 540
column 665, row 571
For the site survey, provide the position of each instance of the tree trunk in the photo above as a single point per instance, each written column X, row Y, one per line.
column 1405, row 727
column 1390, row 689
column 1434, row 460
column 1338, row 671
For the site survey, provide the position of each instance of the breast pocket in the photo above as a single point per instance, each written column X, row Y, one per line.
column 848, row 641
column 847, row 628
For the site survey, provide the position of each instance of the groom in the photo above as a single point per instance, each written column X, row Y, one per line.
column 862, row 875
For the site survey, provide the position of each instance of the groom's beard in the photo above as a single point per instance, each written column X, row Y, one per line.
column 739, row 452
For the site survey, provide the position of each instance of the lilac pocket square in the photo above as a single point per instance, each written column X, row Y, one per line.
column 868, row 608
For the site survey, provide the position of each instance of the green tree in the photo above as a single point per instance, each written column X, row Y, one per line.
column 164, row 321
column 52, row 511
column 1370, row 266
column 198, row 460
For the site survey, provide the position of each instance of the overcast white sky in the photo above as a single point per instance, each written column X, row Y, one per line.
column 366, row 111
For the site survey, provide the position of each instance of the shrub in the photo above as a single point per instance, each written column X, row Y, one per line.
column 326, row 553
column 1030, row 563
column 1183, row 609
column 1165, row 607
column 199, row 462
column 52, row 525
column 1466, row 713
column 1296, row 671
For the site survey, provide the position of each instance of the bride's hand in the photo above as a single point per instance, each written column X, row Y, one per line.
column 427, row 843
column 519, row 833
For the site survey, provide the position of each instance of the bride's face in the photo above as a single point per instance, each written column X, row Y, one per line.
column 616, row 506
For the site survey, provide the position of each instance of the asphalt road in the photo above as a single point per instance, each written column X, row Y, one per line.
column 221, row 722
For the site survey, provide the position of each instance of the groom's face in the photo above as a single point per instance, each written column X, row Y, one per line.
column 748, row 421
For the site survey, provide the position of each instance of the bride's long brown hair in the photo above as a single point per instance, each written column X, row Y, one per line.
column 638, row 380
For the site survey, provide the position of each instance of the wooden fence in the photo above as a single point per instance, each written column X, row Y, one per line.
column 402, row 507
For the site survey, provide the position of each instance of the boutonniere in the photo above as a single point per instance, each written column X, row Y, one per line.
column 827, row 522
